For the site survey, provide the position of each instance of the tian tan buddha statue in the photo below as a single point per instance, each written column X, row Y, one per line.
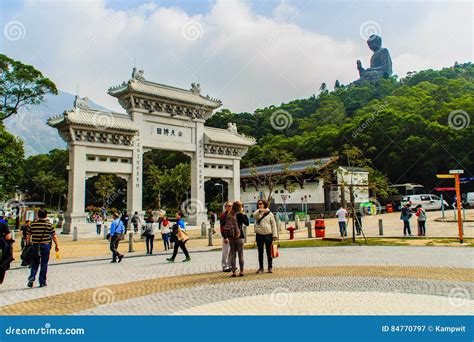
column 380, row 62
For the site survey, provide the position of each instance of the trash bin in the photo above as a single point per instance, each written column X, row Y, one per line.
column 389, row 208
column 320, row 228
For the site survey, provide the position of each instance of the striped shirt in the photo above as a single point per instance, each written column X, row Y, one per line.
column 41, row 232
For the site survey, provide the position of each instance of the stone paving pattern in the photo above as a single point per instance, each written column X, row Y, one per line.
column 136, row 284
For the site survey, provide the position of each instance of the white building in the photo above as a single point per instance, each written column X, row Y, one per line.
column 299, row 185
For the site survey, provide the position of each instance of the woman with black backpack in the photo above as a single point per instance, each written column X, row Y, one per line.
column 234, row 236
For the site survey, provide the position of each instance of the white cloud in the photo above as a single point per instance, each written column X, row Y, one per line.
column 247, row 60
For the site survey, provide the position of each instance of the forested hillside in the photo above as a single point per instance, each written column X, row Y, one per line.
column 408, row 130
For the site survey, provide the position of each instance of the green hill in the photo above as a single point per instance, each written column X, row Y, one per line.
column 408, row 129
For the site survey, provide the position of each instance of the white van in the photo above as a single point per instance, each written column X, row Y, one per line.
column 470, row 199
column 427, row 201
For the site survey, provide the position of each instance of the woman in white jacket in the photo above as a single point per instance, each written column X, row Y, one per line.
column 266, row 232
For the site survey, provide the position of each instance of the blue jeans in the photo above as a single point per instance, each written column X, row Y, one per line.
column 44, row 250
column 342, row 228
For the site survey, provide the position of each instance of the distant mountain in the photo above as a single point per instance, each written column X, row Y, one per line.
column 30, row 123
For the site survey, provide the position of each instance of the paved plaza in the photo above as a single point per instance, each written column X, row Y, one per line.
column 327, row 280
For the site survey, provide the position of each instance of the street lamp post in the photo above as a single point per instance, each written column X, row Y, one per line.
column 222, row 193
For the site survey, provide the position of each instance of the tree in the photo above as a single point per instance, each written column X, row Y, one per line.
column 179, row 180
column 157, row 180
column 105, row 186
column 11, row 163
column 21, row 85
column 273, row 177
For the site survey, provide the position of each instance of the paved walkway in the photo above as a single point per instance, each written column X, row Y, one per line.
column 330, row 280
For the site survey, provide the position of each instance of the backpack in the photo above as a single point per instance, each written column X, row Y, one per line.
column 134, row 219
column 174, row 233
column 231, row 228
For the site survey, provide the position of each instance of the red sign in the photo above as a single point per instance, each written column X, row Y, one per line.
column 445, row 189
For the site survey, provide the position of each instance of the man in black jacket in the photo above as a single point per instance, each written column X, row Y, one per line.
column 6, row 250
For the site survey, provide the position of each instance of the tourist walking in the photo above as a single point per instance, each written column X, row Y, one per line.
column 98, row 223
column 358, row 221
column 148, row 222
column 225, row 260
column 212, row 220
column 234, row 236
column 125, row 220
column 6, row 249
column 421, row 214
column 266, row 233
column 179, row 237
column 341, row 220
column 405, row 216
column 24, row 233
column 165, row 232
column 40, row 235
column 115, row 236
column 136, row 221
column 149, row 238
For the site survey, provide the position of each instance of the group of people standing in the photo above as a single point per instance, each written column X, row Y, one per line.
column 232, row 221
column 407, row 213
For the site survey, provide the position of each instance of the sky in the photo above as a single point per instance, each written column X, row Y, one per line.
column 249, row 54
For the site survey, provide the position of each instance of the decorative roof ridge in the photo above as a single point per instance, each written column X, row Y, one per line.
column 293, row 163
column 231, row 130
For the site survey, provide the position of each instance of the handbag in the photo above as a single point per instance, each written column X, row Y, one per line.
column 182, row 236
column 275, row 252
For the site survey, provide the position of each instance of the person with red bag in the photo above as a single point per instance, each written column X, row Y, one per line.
column 266, row 232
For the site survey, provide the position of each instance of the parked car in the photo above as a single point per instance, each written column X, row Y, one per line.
column 428, row 201
column 470, row 199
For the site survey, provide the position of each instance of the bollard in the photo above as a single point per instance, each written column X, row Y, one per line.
column 297, row 222
column 310, row 231
column 74, row 234
column 245, row 234
column 130, row 242
column 203, row 229
column 210, row 237
column 380, row 227
column 105, row 231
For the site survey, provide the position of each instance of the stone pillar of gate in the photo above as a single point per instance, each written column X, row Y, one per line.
column 75, row 215
column 134, row 183
column 234, row 182
column 195, row 207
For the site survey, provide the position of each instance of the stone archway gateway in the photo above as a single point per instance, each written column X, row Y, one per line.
column 157, row 117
